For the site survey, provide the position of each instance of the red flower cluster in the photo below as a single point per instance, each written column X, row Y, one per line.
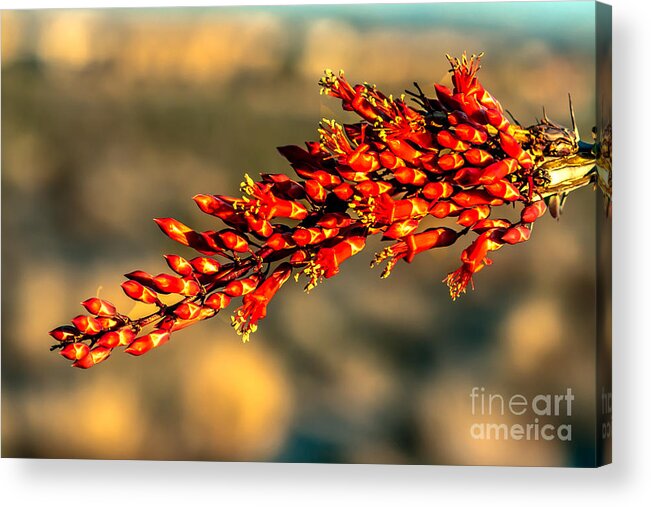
column 455, row 155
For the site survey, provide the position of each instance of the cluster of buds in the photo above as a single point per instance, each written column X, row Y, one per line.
column 452, row 155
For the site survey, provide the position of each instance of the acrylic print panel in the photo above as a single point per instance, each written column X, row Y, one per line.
column 114, row 117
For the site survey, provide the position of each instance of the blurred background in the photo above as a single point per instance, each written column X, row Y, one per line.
column 113, row 117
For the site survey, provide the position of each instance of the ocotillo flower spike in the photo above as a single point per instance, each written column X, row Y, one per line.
column 452, row 155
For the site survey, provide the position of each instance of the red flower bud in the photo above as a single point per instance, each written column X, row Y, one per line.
column 510, row 146
column 478, row 157
column 205, row 265
column 431, row 238
column 204, row 313
column 467, row 176
column 179, row 265
column 438, row 190
column 74, row 351
column 401, row 229
column 99, row 307
column 140, row 277
column 470, row 134
column 402, row 149
column 445, row 209
column 286, row 209
column 280, row 241
column 217, row 301
column 145, row 343
column 495, row 172
column 138, row 292
column 64, row 333
column 315, row 191
column 363, row 161
column 408, row 176
column 450, row 162
column 497, row 119
column 188, row 311
column 446, row 139
column 309, row 236
column 175, row 230
column 390, row 161
column 471, row 216
column 389, row 211
column 470, row 198
column 190, row 288
column 109, row 340
column 343, row 191
column 533, row 212
column 238, row 288
column 220, row 207
column 118, row 338
column 126, row 336
column 168, row 284
column 298, row 258
column 95, row 356
column 504, row 190
column 107, row 322
column 87, row 324
column 260, row 226
column 233, row 241
column 486, row 224
column 334, row 221
column 516, row 234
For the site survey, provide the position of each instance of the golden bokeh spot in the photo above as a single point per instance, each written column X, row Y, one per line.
column 236, row 402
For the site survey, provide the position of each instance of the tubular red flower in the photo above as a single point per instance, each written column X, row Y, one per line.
column 402, row 228
column 254, row 307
